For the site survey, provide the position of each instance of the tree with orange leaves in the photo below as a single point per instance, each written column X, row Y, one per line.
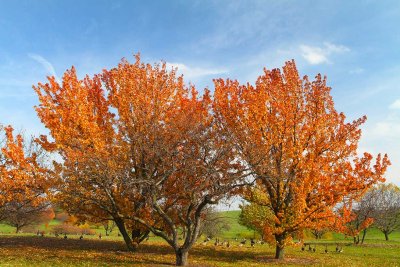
column 24, row 180
column 356, row 216
column 300, row 149
column 139, row 147
column 95, row 171
column 182, row 162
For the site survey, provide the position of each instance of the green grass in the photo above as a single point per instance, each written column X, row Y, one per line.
column 29, row 250
column 236, row 230
column 51, row 251
column 6, row 229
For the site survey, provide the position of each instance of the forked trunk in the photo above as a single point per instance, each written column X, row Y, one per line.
column 363, row 237
column 128, row 241
column 181, row 257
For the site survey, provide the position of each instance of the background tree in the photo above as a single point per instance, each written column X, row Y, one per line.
column 386, row 211
column 109, row 226
column 213, row 224
column 319, row 232
column 300, row 149
column 22, row 214
column 363, row 213
column 255, row 216
column 352, row 218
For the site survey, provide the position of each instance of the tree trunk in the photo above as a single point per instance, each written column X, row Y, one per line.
column 364, row 234
column 386, row 236
column 280, row 247
column 279, row 252
column 181, row 257
column 128, row 241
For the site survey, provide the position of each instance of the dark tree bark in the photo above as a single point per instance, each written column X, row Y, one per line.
column 122, row 229
column 181, row 257
column 280, row 246
column 363, row 236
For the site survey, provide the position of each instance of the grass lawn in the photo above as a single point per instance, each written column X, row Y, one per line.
column 31, row 250
column 51, row 251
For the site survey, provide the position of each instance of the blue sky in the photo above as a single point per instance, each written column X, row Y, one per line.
column 355, row 43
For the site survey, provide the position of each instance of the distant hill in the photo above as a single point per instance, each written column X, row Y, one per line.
column 237, row 230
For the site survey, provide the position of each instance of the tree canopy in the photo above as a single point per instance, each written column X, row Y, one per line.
column 301, row 150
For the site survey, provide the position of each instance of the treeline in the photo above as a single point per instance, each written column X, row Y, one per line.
column 139, row 147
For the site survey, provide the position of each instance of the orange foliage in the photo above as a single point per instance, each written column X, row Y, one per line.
column 138, row 146
column 23, row 181
column 300, row 149
column 94, row 175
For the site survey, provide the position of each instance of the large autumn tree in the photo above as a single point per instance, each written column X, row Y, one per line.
column 24, row 179
column 301, row 150
column 180, row 160
column 140, row 147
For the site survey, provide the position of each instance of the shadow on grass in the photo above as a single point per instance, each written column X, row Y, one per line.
column 105, row 251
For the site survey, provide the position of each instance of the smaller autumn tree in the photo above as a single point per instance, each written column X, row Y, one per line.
column 24, row 180
column 302, row 151
column 255, row 216
column 352, row 218
column 357, row 216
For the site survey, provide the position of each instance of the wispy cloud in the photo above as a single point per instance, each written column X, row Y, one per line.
column 195, row 72
column 395, row 104
column 45, row 63
column 318, row 55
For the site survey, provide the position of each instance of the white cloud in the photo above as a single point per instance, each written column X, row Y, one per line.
column 382, row 135
column 395, row 104
column 45, row 63
column 318, row 55
column 195, row 72
column 314, row 55
column 386, row 129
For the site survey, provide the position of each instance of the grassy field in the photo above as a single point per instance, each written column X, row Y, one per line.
column 31, row 250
